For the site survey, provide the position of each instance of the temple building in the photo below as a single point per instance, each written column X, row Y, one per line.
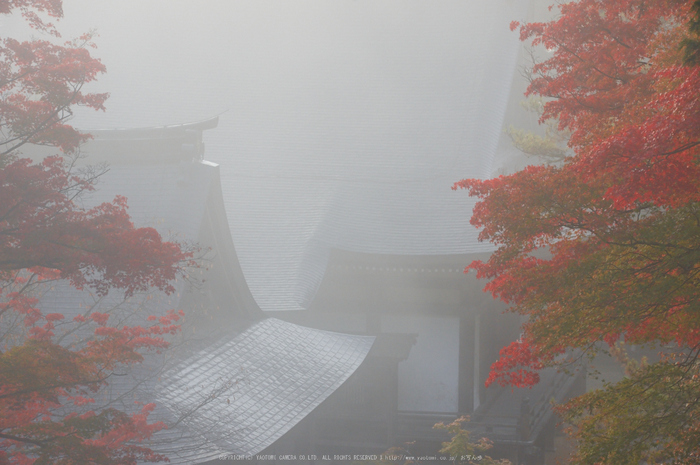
column 333, row 315
column 390, row 344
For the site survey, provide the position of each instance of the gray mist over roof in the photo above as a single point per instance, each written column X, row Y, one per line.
column 344, row 124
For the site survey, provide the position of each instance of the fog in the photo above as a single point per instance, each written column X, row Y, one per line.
column 342, row 127
column 343, row 124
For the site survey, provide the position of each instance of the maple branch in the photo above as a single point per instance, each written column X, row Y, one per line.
column 16, row 78
column 574, row 54
column 82, row 324
column 682, row 148
column 75, row 247
column 208, row 399
column 614, row 37
column 43, row 125
column 51, row 387
column 661, row 245
column 21, row 439
column 21, row 291
column 15, row 264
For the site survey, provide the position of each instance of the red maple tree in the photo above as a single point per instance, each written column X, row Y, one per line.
column 47, row 385
column 605, row 246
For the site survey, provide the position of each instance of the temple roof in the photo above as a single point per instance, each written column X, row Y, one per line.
column 241, row 394
column 368, row 166
column 269, row 373
column 343, row 125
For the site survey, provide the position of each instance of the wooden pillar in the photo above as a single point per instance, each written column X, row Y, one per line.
column 466, row 364
column 476, row 376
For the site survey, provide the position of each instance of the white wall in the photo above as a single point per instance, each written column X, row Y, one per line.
column 429, row 378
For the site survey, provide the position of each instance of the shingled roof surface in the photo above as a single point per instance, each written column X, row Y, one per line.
column 242, row 394
column 368, row 166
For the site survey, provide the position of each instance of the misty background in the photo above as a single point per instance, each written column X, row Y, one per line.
column 342, row 124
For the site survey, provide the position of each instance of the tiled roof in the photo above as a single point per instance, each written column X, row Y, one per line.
column 245, row 392
column 170, row 197
column 373, row 174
